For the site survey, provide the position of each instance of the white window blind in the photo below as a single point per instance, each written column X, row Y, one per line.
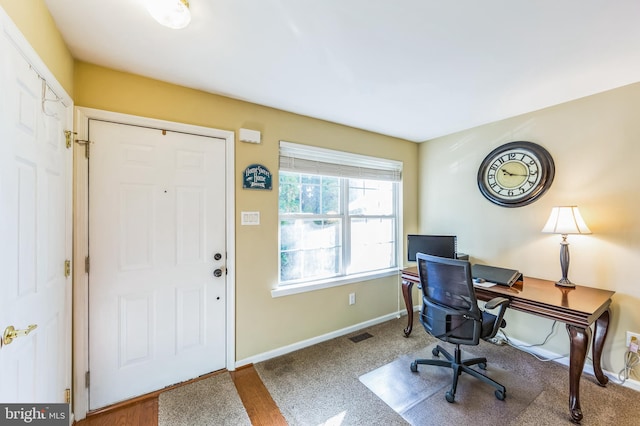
column 326, row 162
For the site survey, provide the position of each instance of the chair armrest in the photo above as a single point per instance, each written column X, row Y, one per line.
column 502, row 303
column 495, row 302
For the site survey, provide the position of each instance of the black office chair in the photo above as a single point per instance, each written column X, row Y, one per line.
column 450, row 313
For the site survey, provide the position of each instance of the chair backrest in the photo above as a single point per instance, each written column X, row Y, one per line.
column 450, row 309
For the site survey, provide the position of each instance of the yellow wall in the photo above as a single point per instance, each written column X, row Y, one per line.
column 36, row 24
column 594, row 143
column 262, row 322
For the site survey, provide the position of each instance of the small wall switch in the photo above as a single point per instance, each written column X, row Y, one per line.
column 250, row 136
column 352, row 298
column 250, row 218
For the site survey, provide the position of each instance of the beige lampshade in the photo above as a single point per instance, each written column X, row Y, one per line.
column 565, row 220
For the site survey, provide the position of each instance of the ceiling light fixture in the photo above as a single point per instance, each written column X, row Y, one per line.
column 174, row 14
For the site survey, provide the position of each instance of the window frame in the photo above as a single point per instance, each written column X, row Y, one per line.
column 330, row 163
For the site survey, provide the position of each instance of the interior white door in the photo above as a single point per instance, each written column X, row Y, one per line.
column 156, row 239
column 35, row 234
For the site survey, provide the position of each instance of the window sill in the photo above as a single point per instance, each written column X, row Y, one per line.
column 288, row 290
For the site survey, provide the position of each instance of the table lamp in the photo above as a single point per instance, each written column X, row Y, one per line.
column 565, row 220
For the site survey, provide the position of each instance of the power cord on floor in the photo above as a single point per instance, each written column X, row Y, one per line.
column 523, row 348
column 631, row 356
column 631, row 359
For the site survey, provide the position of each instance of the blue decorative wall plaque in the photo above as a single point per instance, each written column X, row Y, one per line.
column 256, row 176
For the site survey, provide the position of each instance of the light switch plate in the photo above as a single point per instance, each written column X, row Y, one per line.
column 250, row 218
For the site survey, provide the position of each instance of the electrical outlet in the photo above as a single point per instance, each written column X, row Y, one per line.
column 630, row 335
column 352, row 298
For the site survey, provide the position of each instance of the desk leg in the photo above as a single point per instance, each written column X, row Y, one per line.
column 601, row 327
column 579, row 338
column 408, row 303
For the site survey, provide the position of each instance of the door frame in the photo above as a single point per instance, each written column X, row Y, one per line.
column 81, row 237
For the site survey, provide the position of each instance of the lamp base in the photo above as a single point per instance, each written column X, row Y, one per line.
column 564, row 282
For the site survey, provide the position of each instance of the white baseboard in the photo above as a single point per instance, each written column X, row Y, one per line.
column 315, row 340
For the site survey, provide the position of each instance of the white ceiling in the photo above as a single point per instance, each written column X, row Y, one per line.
column 414, row 69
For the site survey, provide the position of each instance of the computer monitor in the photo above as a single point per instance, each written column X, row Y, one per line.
column 435, row 245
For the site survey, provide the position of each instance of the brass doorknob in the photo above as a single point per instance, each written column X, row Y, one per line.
column 11, row 333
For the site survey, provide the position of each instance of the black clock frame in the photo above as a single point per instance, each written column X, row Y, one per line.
column 547, row 173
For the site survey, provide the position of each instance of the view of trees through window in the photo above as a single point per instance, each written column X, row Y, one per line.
column 331, row 226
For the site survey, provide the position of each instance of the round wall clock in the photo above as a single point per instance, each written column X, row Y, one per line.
column 516, row 174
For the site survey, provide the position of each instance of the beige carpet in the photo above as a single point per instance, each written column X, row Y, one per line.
column 213, row 401
column 420, row 397
column 320, row 385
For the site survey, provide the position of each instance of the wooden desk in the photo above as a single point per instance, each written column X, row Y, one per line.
column 578, row 307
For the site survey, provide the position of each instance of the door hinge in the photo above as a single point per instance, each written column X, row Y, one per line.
column 86, row 145
column 67, row 396
column 87, row 376
column 86, row 264
column 67, row 268
column 70, row 138
column 68, row 135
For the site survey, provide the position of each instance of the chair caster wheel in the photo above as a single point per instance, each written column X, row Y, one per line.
column 414, row 367
column 482, row 365
column 450, row 397
column 501, row 395
column 435, row 352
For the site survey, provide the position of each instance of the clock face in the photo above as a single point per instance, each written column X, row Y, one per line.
column 516, row 174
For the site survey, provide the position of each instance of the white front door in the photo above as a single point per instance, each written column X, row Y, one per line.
column 157, row 259
column 35, row 234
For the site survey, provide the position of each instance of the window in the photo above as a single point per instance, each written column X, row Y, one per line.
column 338, row 214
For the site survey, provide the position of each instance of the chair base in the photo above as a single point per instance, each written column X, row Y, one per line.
column 459, row 366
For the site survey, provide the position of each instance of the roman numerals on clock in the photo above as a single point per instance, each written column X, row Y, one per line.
column 516, row 174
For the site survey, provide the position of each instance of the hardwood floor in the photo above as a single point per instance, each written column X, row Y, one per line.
column 261, row 408
column 143, row 411
column 140, row 413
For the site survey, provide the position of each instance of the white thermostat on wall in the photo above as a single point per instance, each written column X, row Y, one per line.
column 250, row 136
column 250, row 218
